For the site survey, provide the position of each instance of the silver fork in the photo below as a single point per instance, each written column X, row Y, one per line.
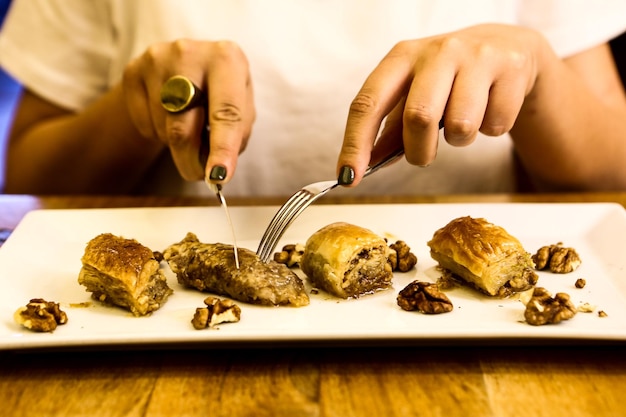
column 298, row 202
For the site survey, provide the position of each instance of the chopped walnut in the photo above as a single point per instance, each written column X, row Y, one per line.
column 424, row 297
column 447, row 280
column 602, row 313
column 158, row 256
column 580, row 283
column 401, row 258
column 40, row 315
column 586, row 308
column 291, row 255
column 557, row 259
column 217, row 311
column 543, row 309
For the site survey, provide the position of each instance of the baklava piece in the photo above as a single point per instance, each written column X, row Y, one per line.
column 123, row 272
column 347, row 260
column 211, row 267
column 483, row 255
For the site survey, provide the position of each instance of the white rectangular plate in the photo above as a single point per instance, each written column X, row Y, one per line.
column 41, row 259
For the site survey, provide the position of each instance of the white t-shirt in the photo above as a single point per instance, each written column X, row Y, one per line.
column 308, row 59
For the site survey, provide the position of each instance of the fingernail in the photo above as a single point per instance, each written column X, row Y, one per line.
column 218, row 173
column 346, row 176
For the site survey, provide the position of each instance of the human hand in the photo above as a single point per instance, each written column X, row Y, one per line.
column 475, row 79
column 220, row 69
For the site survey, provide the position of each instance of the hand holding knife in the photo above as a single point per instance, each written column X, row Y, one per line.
column 179, row 94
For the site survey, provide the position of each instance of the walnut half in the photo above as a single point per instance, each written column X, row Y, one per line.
column 543, row 309
column 217, row 311
column 557, row 259
column 290, row 255
column 40, row 315
column 401, row 257
column 424, row 297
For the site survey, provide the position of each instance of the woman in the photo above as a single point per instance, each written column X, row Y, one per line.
column 283, row 77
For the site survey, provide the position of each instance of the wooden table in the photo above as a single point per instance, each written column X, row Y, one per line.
column 438, row 380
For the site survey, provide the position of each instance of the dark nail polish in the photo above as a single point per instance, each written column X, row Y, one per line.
column 218, row 173
column 346, row 176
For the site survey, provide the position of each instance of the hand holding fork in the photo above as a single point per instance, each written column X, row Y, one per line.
column 298, row 202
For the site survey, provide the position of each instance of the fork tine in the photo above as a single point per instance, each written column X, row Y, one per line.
column 289, row 218
column 289, row 211
column 277, row 217
column 269, row 231
column 276, row 220
column 280, row 221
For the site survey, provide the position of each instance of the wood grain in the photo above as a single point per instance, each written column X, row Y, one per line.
column 327, row 381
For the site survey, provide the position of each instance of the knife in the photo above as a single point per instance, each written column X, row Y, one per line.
column 180, row 94
column 217, row 189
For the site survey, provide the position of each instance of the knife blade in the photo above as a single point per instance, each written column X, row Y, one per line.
column 217, row 189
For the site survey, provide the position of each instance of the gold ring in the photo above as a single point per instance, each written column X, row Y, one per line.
column 179, row 94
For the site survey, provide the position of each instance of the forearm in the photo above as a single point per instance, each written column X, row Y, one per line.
column 571, row 135
column 95, row 151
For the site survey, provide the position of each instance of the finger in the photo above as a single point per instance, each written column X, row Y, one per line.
column 382, row 90
column 506, row 98
column 137, row 101
column 229, row 111
column 183, row 133
column 390, row 139
column 425, row 106
column 467, row 104
column 249, row 117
